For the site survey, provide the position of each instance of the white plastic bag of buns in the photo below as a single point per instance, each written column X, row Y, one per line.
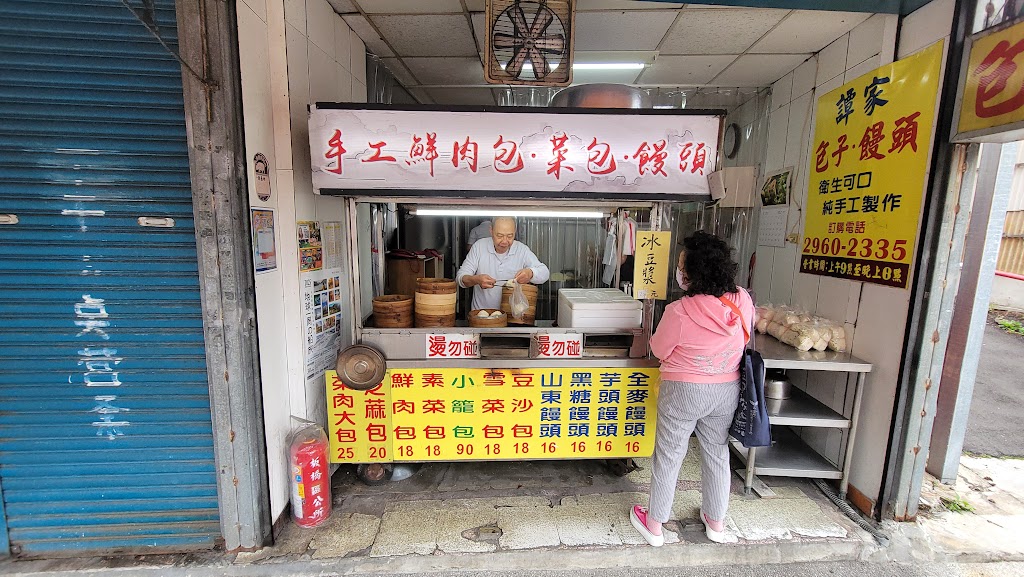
column 800, row 329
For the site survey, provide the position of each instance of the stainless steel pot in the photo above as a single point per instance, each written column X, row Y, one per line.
column 777, row 386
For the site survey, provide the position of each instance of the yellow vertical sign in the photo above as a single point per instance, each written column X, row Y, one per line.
column 868, row 170
column 992, row 93
column 651, row 265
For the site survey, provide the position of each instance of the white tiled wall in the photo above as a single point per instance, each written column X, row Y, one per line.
column 292, row 52
column 875, row 316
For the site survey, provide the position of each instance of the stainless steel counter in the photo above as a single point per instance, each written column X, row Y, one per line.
column 778, row 355
column 789, row 456
column 523, row 363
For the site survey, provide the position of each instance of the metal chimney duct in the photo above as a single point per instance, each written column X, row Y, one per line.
column 601, row 96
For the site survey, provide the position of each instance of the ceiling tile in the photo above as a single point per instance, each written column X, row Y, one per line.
column 427, row 34
column 400, row 71
column 411, row 6
column 583, row 5
column 633, row 30
column 478, row 30
column 446, row 70
column 685, row 70
column 342, row 6
column 476, row 96
column 719, row 31
column 420, row 94
column 805, row 31
column 758, row 69
column 374, row 43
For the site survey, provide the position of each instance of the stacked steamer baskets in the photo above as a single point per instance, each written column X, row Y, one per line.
column 435, row 302
column 530, row 292
column 392, row 311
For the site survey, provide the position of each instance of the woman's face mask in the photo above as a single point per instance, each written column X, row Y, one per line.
column 681, row 279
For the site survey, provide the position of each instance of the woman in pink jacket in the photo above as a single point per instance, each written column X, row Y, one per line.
column 700, row 342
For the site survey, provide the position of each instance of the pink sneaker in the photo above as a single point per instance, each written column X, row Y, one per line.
column 638, row 517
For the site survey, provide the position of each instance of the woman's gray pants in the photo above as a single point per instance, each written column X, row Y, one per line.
column 683, row 407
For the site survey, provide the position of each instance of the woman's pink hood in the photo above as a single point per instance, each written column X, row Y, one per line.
column 700, row 339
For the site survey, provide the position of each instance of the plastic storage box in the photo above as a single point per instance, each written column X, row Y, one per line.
column 605, row 308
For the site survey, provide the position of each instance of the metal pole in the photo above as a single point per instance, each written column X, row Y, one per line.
column 970, row 312
column 898, row 498
column 208, row 41
column 852, row 435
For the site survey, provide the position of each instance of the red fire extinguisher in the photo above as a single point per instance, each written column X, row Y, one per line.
column 310, row 478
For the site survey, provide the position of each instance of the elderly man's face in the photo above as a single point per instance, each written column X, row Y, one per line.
column 504, row 234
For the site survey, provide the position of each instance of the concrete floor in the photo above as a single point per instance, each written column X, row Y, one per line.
column 996, row 421
column 461, row 508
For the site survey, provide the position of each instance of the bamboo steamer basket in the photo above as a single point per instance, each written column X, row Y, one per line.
column 430, row 321
column 436, row 286
column 436, row 299
column 422, row 309
column 392, row 311
column 529, row 317
column 475, row 321
column 435, row 302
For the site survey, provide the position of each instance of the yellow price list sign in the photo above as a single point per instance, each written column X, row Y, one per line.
column 868, row 170
column 483, row 414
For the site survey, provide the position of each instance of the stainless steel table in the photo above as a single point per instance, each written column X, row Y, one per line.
column 789, row 456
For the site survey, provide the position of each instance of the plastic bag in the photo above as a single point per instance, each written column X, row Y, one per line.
column 517, row 303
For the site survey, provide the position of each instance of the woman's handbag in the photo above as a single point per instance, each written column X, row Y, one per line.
column 750, row 424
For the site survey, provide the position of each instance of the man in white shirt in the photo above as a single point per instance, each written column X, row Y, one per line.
column 492, row 261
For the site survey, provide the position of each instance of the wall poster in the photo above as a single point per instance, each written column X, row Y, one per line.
column 264, row 246
column 322, row 296
column 868, row 170
column 774, row 216
column 311, row 252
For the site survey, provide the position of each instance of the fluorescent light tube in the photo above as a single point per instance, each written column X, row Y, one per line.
column 512, row 213
column 607, row 65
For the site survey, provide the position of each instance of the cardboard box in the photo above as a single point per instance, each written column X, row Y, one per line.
column 734, row 187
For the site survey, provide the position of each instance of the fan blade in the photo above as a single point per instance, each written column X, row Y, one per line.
column 541, row 20
column 518, row 18
column 515, row 65
column 501, row 40
column 540, row 64
column 551, row 44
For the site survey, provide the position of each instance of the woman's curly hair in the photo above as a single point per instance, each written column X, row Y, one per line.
column 709, row 265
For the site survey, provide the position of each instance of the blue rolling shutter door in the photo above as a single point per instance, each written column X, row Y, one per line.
column 105, row 428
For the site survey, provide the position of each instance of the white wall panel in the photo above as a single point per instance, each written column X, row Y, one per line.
column 778, row 128
column 782, row 91
column 804, row 77
column 832, row 60
column 866, row 40
column 320, row 19
column 926, row 25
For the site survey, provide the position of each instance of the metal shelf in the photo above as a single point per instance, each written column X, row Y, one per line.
column 803, row 410
column 782, row 356
column 788, row 457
